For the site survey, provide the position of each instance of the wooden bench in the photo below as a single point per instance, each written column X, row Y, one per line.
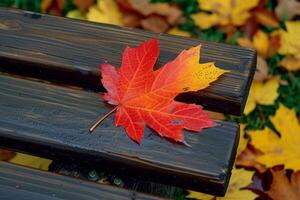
column 28, row 184
column 50, row 95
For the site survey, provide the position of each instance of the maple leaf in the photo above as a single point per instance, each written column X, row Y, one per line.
column 240, row 178
column 146, row 97
column 290, row 46
column 283, row 188
column 246, row 157
column 290, row 39
column 290, row 63
column 262, row 93
column 260, row 42
column 283, row 150
column 287, row 9
column 235, row 12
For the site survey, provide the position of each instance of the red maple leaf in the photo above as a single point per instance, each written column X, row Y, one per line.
column 146, row 97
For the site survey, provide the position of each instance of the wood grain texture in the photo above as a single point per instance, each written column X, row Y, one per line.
column 52, row 121
column 71, row 51
column 22, row 183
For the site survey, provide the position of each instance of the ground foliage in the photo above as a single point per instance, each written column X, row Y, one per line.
column 267, row 164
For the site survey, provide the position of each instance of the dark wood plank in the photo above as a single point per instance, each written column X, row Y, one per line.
column 71, row 51
column 22, row 183
column 52, row 121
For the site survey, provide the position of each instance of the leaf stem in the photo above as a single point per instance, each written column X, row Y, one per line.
column 101, row 119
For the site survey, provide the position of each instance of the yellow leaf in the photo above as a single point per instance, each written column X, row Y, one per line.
column 224, row 12
column 31, row 161
column 204, row 20
column 243, row 141
column 262, row 93
column 106, row 11
column 75, row 14
column 239, row 179
column 176, row 31
column 283, row 150
column 290, row 39
column 45, row 4
column 245, row 42
column 261, row 43
column 291, row 63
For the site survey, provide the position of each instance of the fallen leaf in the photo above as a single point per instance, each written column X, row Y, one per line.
column 262, row 70
column 6, row 155
column 243, row 140
column 284, row 188
column 31, row 161
column 83, row 5
column 106, row 11
column 283, row 150
column 146, row 97
column 54, row 7
column 245, row 42
column 275, row 42
column 45, row 5
column 246, row 156
column 75, row 14
column 290, row 39
column 287, row 9
column 144, row 7
column 176, row 31
column 155, row 24
column 247, row 159
column 260, row 184
column 131, row 19
column 204, row 20
column 261, row 43
column 262, row 93
column 235, row 12
column 267, row 18
column 260, row 15
column 290, row 63
column 240, row 178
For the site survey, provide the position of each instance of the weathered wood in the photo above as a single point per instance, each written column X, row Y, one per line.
column 71, row 51
column 82, row 171
column 52, row 121
column 18, row 182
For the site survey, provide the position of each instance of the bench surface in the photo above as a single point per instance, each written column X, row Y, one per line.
column 18, row 182
column 37, row 52
column 72, row 51
column 53, row 122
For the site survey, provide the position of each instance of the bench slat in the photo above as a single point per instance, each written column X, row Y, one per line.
column 18, row 182
column 52, row 121
column 71, row 51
